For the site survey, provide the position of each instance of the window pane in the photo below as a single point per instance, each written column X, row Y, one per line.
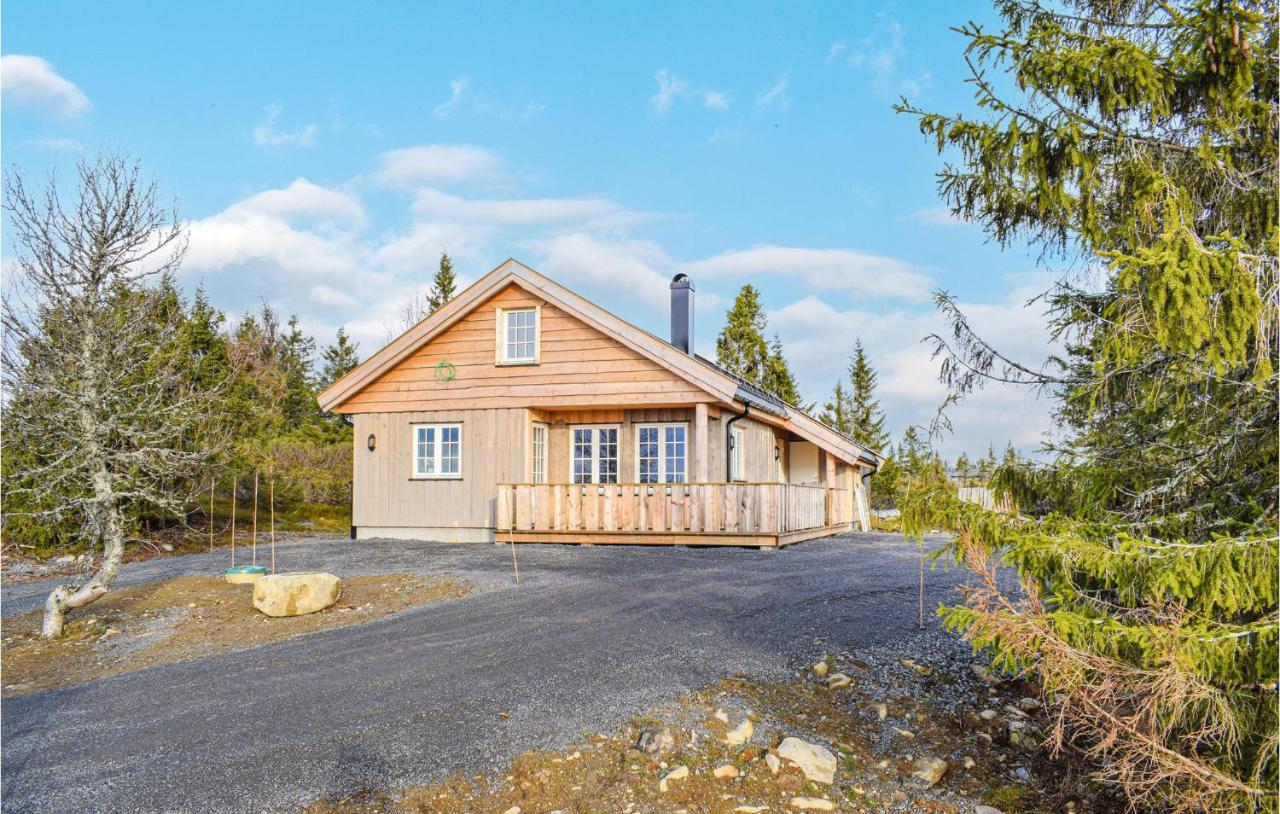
column 539, row 454
column 675, row 454
column 607, row 455
column 521, row 334
column 429, row 450
column 647, row 455
column 582, row 450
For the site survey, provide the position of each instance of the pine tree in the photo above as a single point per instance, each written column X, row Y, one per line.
column 778, row 378
column 1139, row 138
column 340, row 358
column 964, row 467
column 867, row 417
column 838, row 413
column 741, row 348
column 296, row 351
column 444, row 286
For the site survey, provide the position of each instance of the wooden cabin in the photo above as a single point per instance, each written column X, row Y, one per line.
column 522, row 412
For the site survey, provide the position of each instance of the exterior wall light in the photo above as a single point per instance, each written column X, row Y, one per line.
column 373, row 442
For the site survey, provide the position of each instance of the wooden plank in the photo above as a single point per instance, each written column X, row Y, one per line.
column 638, row 538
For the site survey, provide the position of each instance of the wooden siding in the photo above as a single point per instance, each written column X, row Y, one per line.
column 579, row 366
column 384, row 494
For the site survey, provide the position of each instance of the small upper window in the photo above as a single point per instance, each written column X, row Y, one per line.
column 737, row 454
column 520, row 335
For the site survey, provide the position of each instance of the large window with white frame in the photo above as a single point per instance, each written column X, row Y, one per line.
column 737, row 454
column 519, row 341
column 662, row 453
column 594, row 454
column 539, row 472
column 437, row 451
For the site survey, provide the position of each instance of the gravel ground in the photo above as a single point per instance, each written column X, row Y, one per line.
column 590, row 637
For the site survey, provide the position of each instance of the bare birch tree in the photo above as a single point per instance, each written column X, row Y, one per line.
column 97, row 395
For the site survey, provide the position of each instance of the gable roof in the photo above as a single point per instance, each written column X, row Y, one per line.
column 702, row 373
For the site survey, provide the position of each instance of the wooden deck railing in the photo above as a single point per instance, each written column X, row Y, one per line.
column 671, row 508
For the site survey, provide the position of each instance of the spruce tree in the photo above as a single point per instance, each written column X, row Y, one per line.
column 837, row 413
column 741, row 347
column 866, row 415
column 444, row 285
column 778, row 378
column 1138, row 138
column 340, row 358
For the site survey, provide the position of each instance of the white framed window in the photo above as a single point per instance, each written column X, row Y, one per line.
column 662, row 453
column 737, row 454
column 594, row 457
column 437, row 451
column 539, row 471
column 518, row 336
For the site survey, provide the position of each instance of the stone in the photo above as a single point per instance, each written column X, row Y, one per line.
column 882, row 711
column 904, row 733
column 1028, row 704
column 817, row 762
column 721, row 716
column 653, row 741
column 512, row 810
column 741, row 733
column 838, row 681
column 820, row 669
column 981, row 671
column 929, row 770
column 812, row 804
column 167, row 547
column 988, row 714
column 726, row 772
column 773, row 762
column 65, row 559
column 969, row 762
column 295, row 594
column 678, row 773
column 750, row 809
column 986, row 810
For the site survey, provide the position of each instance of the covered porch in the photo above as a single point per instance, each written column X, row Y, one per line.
column 748, row 514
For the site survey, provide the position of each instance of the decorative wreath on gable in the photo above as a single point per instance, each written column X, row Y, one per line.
column 446, row 372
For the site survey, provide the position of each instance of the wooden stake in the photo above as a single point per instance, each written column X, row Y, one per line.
column 272, row 500
column 212, row 481
column 515, row 564
column 233, row 521
column 255, row 515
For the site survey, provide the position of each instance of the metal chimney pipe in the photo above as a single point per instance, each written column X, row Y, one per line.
column 682, row 312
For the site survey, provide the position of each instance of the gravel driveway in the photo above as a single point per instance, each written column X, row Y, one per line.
column 590, row 637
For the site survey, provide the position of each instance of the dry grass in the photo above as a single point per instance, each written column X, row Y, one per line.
column 185, row 618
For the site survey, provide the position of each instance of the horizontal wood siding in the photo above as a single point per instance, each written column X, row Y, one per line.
column 578, row 366
column 385, row 495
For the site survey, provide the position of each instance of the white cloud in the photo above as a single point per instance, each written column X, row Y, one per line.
column 56, row 145
column 328, row 295
column 670, row 87
column 846, row 270
column 432, row 163
column 267, row 135
column 448, row 107
column 936, row 216
column 302, row 197
column 434, row 203
column 881, row 56
column 715, row 100
column 818, row 339
column 32, row 82
column 834, row 52
column 775, row 96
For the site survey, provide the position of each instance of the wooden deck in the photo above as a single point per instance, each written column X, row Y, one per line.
column 748, row 514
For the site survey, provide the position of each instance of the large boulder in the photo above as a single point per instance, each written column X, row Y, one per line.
column 817, row 762
column 295, row 594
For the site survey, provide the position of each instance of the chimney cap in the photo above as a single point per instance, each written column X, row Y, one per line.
column 681, row 281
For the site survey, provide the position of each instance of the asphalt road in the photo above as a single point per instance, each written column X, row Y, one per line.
column 590, row 637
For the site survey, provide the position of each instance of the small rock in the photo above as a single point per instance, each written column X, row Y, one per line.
column 969, row 762
column 882, row 711
column 1028, row 704
column 65, row 559
column 678, row 773
column 653, row 741
column 929, row 770
column 988, row 714
column 773, row 762
column 981, row 671
column 741, row 733
column 721, row 716
column 109, row 632
column 987, row 810
column 750, row 809
column 820, row 669
column 512, row 810
column 191, row 604
column 167, row 547
column 905, row 733
column 817, row 762
column 812, row 804
column 725, row 772
column 838, row 681
column 1022, row 773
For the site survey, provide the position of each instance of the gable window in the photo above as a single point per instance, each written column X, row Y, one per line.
column 661, row 453
column 518, row 336
column 437, row 451
column 595, row 455
column 737, row 454
column 539, row 453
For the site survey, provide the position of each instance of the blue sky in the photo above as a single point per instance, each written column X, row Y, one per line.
column 325, row 154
